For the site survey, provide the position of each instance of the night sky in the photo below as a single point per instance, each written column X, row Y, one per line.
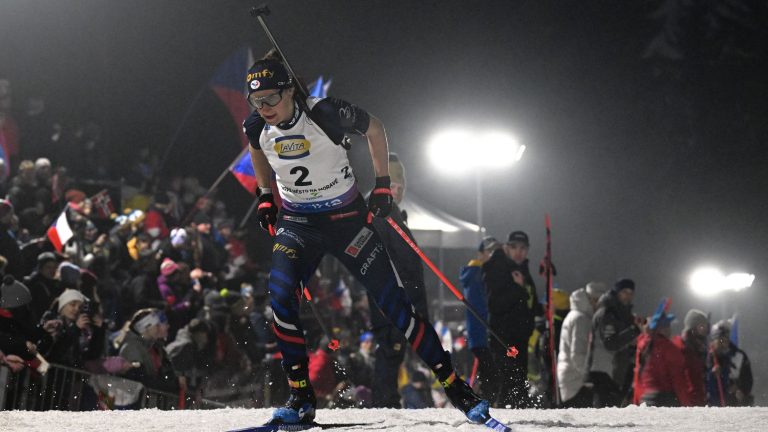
column 649, row 165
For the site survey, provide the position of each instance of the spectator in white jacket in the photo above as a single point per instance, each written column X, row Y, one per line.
column 573, row 358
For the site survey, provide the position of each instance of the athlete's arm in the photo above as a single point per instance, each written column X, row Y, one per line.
column 261, row 167
column 377, row 144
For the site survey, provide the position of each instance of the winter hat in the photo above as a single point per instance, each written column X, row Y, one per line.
column 201, row 218
column 267, row 74
column 366, row 337
column 168, row 267
column 518, row 237
column 69, row 274
column 13, row 293
column 488, row 243
column 46, row 257
column 178, row 237
column 721, row 329
column 42, row 162
column 624, row 283
column 68, row 296
column 596, row 289
column 694, row 318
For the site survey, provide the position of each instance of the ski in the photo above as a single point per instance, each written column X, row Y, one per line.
column 497, row 425
column 301, row 427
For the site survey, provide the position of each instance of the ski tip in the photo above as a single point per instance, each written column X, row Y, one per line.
column 496, row 425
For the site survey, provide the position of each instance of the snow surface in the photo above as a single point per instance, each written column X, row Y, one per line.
column 632, row 418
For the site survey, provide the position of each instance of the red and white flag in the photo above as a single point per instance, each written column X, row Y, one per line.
column 102, row 205
column 59, row 233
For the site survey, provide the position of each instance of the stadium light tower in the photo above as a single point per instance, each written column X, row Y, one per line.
column 462, row 150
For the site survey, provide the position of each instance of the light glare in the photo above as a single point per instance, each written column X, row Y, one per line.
column 708, row 281
column 463, row 150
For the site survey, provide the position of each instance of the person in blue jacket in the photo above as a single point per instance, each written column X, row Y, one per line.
column 471, row 277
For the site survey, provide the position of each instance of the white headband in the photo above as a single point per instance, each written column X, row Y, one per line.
column 148, row 321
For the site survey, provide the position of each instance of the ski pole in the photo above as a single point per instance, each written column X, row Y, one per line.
column 512, row 351
column 551, row 313
column 333, row 343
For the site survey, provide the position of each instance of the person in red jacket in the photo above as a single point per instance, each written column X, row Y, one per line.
column 660, row 378
column 693, row 344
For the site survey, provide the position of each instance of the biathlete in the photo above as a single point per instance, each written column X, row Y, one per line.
column 323, row 212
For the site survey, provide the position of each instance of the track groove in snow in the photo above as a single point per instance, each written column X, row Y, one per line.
column 430, row 420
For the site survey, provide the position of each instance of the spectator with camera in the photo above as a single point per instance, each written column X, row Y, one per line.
column 78, row 335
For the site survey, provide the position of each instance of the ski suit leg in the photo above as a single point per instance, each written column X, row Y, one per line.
column 358, row 246
column 390, row 352
column 295, row 252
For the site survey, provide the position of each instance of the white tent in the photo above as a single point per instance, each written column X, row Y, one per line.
column 435, row 228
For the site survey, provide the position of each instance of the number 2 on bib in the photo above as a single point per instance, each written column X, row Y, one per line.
column 304, row 173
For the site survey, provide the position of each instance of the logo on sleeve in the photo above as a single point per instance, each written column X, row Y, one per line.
column 358, row 243
column 292, row 147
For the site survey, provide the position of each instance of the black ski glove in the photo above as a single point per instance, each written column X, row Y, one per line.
column 380, row 200
column 266, row 212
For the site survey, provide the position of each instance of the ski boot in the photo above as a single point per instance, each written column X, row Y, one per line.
column 301, row 405
column 460, row 394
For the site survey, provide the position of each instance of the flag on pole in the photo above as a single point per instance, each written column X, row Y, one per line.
column 228, row 82
column 320, row 88
column 59, row 233
column 735, row 330
column 244, row 173
column 102, row 204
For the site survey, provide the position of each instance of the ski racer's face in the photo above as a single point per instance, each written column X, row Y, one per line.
column 274, row 106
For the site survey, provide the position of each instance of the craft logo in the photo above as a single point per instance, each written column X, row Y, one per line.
column 358, row 243
column 292, row 147
column 371, row 258
column 264, row 73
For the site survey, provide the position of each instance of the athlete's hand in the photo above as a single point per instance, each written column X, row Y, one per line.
column 380, row 201
column 266, row 212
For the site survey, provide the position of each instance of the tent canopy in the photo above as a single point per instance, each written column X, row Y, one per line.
column 435, row 228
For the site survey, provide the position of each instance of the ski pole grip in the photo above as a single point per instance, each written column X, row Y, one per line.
column 258, row 11
column 512, row 351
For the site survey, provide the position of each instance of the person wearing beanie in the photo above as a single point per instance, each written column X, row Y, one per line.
column 304, row 142
column 19, row 336
column 660, row 377
column 471, row 278
column 43, row 285
column 730, row 365
column 69, row 275
column 614, row 336
column 390, row 344
column 692, row 342
column 513, row 305
column 81, row 335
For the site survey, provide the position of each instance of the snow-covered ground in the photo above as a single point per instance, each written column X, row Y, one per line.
column 430, row 420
